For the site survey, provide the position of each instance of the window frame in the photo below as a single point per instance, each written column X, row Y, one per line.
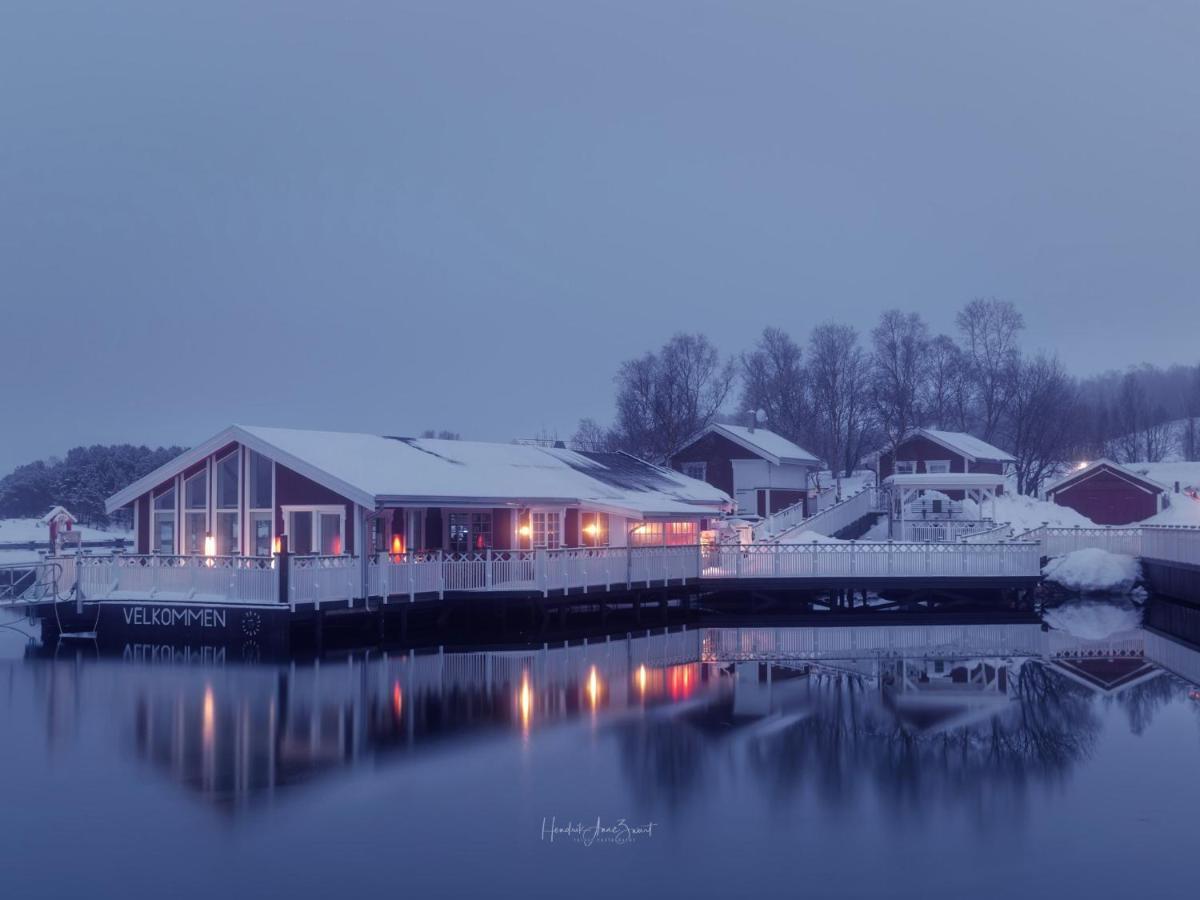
column 603, row 538
column 904, row 467
column 693, row 465
column 937, row 462
column 317, row 510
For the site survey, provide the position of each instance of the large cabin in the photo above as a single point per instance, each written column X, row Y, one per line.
column 246, row 490
column 763, row 471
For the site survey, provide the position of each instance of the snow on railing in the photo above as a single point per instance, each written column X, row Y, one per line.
column 872, row 560
column 1170, row 543
column 841, row 515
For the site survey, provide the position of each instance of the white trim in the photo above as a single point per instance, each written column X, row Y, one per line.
column 1081, row 475
column 945, row 462
column 317, row 510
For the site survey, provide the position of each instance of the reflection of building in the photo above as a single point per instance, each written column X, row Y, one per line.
column 934, row 695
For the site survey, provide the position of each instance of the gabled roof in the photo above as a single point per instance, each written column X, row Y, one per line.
column 373, row 470
column 963, row 444
column 1105, row 465
column 56, row 512
column 774, row 448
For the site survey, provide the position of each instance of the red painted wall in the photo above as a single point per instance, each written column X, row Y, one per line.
column 143, row 517
column 920, row 450
column 780, row 499
column 293, row 489
column 716, row 451
column 1108, row 499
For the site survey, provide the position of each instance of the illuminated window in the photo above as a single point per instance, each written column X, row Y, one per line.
column 593, row 529
column 316, row 529
column 646, row 534
column 682, row 533
column 469, row 532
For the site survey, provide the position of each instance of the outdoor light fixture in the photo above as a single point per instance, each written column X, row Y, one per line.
column 210, row 544
column 277, row 545
column 397, row 545
column 524, row 531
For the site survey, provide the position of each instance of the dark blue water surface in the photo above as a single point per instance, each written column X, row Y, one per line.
column 922, row 760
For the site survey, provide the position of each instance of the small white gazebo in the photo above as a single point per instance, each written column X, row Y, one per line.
column 905, row 491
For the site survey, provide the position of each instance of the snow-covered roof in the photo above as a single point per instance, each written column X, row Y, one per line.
column 375, row 470
column 962, row 443
column 774, row 448
column 58, row 512
column 1091, row 468
column 945, row 481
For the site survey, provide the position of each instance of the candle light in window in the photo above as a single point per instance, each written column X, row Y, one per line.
column 210, row 547
column 277, row 545
column 524, row 531
column 591, row 529
column 397, row 545
column 337, row 545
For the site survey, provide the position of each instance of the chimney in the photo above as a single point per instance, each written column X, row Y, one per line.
column 750, row 417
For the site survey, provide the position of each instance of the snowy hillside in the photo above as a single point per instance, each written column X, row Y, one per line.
column 22, row 530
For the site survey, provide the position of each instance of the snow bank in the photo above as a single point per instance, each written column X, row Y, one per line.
column 1024, row 513
column 1093, row 620
column 1094, row 571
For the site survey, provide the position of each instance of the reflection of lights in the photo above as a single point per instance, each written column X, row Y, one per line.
column 525, row 701
column 209, row 721
column 397, row 699
column 641, row 678
column 679, row 682
column 593, row 687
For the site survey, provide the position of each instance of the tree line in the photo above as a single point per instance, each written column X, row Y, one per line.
column 80, row 481
column 843, row 395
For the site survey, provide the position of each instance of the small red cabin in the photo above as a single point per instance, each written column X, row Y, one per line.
column 1109, row 494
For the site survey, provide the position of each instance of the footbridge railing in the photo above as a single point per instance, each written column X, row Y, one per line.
column 1169, row 543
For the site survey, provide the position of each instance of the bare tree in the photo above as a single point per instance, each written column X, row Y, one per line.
column 1191, row 422
column 943, row 384
column 442, row 435
column 1130, row 414
column 1042, row 426
column 591, row 436
column 837, row 373
column 665, row 397
column 898, row 372
column 990, row 328
column 773, row 380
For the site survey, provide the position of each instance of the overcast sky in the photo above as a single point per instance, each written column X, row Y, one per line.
column 396, row 216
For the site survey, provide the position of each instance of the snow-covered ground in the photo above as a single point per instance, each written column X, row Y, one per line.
column 1094, row 571
column 1024, row 513
column 21, row 530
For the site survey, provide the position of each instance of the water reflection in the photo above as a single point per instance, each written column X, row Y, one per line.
column 917, row 718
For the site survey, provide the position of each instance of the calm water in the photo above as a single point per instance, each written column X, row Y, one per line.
column 980, row 761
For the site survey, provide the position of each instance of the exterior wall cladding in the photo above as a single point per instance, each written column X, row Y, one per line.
column 717, row 453
column 1108, row 499
column 921, row 450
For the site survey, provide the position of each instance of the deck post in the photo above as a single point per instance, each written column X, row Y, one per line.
column 283, row 570
column 441, row 575
column 487, row 570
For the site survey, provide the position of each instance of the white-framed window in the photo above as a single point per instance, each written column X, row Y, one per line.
column 195, row 513
column 646, row 534
column 227, row 492
column 906, row 467
column 697, row 470
column 260, row 503
column 469, row 531
column 593, row 529
column 317, row 530
column 546, row 533
column 937, row 466
column 162, row 522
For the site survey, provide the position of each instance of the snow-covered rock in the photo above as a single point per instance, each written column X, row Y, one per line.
column 1094, row 571
column 1024, row 513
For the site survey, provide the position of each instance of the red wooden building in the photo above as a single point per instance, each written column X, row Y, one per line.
column 927, row 451
column 1109, row 494
column 763, row 471
column 337, row 493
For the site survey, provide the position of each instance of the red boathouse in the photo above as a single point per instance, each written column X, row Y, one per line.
column 1109, row 494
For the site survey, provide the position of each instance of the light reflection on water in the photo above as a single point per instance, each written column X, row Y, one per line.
column 953, row 744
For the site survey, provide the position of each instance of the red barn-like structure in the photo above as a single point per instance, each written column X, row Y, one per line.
column 1109, row 494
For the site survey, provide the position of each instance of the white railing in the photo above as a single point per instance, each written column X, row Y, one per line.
column 873, row 560
column 585, row 569
column 842, row 515
column 940, row 531
column 1170, row 543
column 245, row 579
column 781, row 521
column 317, row 579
